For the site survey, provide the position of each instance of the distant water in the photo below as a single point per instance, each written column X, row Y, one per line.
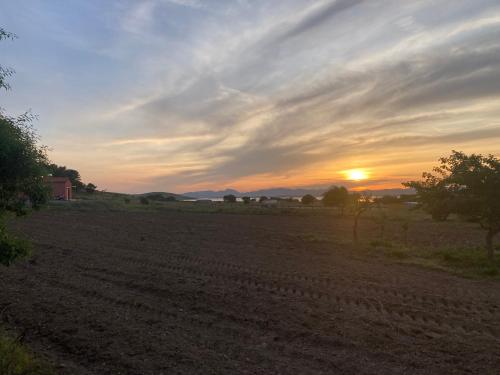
column 237, row 199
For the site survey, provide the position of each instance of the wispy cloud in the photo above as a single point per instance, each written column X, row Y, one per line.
column 256, row 93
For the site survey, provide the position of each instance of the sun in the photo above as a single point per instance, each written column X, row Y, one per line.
column 356, row 174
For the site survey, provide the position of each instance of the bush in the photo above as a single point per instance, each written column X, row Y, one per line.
column 15, row 360
column 336, row 196
column 126, row 200
column 230, row 198
column 90, row 188
column 308, row 199
column 12, row 248
column 144, row 200
column 246, row 200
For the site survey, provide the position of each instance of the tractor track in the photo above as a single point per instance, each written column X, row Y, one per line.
column 153, row 293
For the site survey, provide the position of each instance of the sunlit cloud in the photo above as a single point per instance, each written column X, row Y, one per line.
column 182, row 94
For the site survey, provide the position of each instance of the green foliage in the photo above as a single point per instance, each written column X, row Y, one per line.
column 12, row 248
column 16, row 360
column 5, row 72
column 22, row 165
column 246, row 200
column 308, row 199
column 230, row 198
column 336, row 196
column 90, row 188
column 434, row 196
column 467, row 185
column 144, row 200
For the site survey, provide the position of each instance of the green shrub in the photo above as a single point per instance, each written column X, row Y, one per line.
column 12, row 248
column 144, row 200
column 308, row 199
column 15, row 359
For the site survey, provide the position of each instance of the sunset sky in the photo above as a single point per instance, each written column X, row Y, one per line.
column 182, row 95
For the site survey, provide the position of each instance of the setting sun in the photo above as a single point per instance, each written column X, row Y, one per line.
column 356, row 174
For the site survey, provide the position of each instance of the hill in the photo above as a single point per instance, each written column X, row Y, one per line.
column 286, row 192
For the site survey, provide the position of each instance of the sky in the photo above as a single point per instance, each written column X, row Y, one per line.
column 183, row 95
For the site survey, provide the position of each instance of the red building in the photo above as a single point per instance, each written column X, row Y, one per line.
column 61, row 187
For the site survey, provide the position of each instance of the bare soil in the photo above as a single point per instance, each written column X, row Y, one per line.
column 184, row 293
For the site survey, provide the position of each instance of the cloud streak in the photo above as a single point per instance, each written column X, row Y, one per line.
column 226, row 93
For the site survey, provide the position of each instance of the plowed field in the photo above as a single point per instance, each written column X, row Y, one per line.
column 184, row 293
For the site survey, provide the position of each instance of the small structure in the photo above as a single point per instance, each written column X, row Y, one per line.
column 60, row 187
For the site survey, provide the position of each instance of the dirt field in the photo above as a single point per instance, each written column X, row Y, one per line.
column 184, row 293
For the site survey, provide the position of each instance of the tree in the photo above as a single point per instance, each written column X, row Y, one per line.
column 22, row 165
column 230, row 198
column 5, row 72
column 246, row 200
column 308, row 199
column 336, row 196
column 90, row 188
column 262, row 199
column 360, row 204
column 434, row 195
column 72, row 174
column 144, row 200
column 470, row 185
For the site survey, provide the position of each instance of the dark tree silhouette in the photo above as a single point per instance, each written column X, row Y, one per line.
column 336, row 196
column 5, row 72
column 308, row 199
column 90, row 188
column 470, row 187
column 72, row 174
column 230, row 198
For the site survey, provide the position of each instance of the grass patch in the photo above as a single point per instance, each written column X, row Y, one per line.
column 17, row 360
column 470, row 262
column 467, row 262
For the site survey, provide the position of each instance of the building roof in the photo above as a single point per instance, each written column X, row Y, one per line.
column 56, row 179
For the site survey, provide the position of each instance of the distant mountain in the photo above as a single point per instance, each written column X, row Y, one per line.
column 285, row 192
column 160, row 195
column 212, row 194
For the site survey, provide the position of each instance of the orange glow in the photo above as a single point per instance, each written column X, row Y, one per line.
column 356, row 174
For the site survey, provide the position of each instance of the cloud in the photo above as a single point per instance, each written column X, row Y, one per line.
column 229, row 91
column 317, row 18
